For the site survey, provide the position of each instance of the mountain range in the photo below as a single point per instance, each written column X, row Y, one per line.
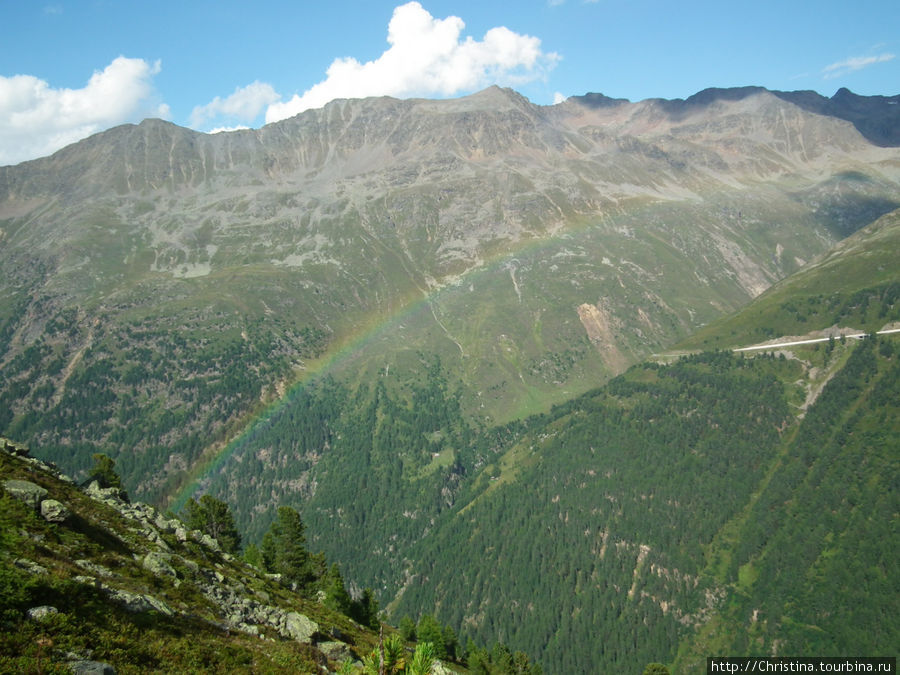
column 383, row 312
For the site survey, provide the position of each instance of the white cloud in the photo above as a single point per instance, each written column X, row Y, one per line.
column 427, row 57
column 853, row 64
column 36, row 120
column 220, row 130
column 245, row 104
column 558, row 98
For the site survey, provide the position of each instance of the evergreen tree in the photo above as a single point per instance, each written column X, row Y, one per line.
column 430, row 630
column 284, row 549
column 423, row 659
column 104, row 472
column 253, row 556
column 365, row 610
column 336, row 595
column 408, row 629
column 450, row 641
column 212, row 516
column 501, row 658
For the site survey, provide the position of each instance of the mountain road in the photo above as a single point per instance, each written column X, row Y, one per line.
column 793, row 343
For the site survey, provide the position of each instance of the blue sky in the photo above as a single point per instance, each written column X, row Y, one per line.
column 69, row 69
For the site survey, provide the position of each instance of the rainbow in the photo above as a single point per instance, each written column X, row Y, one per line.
column 314, row 369
column 376, row 327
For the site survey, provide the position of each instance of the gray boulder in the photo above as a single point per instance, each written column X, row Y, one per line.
column 208, row 542
column 335, row 651
column 111, row 495
column 299, row 627
column 39, row 613
column 132, row 602
column 157, row 563
column 165, row 524
column 91, row 668
column 30, row 566
column 54, row 511
column 439, row 668
column 25, row 491
column 94, row 568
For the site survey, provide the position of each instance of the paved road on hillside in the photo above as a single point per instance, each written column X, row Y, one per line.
column 777, row 345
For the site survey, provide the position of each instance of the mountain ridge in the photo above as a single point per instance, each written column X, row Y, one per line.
column 528, row 235
column 844, row 104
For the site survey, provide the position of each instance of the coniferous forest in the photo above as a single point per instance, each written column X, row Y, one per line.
column 679, row 511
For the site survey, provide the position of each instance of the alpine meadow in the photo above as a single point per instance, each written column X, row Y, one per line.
column 464, row 367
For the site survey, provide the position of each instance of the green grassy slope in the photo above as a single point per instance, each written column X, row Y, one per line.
column 82, row 565
column 854, row 285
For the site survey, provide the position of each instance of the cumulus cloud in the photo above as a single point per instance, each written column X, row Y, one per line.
column 222, row 130
column 558, row 98
column 245, row 104
column 36, row 120
column 426, row 57
column 853, row 64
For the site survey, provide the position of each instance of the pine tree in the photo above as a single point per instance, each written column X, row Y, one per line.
column 430, row 630
column 336, row 595
column 284, row 549
column 104, row 472
column 408, row 629
column 213, row 517
column 365, row 610
column 423, row 659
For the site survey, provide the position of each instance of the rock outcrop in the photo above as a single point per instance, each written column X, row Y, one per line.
column 237, row 597
column 25, row 491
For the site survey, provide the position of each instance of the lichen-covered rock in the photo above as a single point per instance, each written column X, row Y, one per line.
column 25, row 491
column 166, row 525
column 208, row 542
column 30, row 566
column 39, row 613
column 91, row 668
column 94, row 568
column 87, row 581
column 54, row 511
column 151, row 534
column 109, row 495
column 439, row 668
column 158, row 563
column 335, row 651
column 299, row 627
column 132, row 602
column 13, row 449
